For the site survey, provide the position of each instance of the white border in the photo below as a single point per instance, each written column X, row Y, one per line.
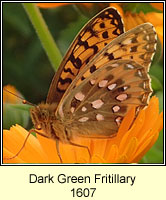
column 18, row 164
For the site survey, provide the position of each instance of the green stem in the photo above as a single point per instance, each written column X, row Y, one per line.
column 43, row 33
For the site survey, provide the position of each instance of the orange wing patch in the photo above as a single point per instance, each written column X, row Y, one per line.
column 100, row 31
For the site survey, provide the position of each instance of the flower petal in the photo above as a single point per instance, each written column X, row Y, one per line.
column 112, row 154
column 13, row 141
column 122, row 159
column 50, row 149
column 131, row 148
column 51, row 5
column 97, row 159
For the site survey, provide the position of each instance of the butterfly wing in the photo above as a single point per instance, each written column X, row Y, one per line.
column 96, row 34
column 138, row 44
column 89, row 120
column 98, row 104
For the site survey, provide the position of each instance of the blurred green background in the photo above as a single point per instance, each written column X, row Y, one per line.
column 26, row 66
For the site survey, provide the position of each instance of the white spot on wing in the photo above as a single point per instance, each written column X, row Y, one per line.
column 92, row 82
column 147, row 46
column 115, row 109
column 127, row 41
column 147, row 37
column 84, row 109
column 130, row 66
column 112, row 86
column 121, row 97
column 103, row 83
column 139, row 73
column 114, row 65
column 97, row 104
column 79, row 96
column 118, row 120
column 99, row 117
column 83, row 119
column 72, row 109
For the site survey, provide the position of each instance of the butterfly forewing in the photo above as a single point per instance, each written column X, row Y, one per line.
column 98, row 104
column 94, row 36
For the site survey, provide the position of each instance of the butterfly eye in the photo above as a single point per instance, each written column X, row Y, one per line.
column 38, row 127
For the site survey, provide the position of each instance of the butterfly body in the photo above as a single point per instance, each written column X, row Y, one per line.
column 43, row 118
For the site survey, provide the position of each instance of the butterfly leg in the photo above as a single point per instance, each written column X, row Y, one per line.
column 32, row 130
column 82, row 146
column 57, row 145
column 77, row 145
column 58, row 152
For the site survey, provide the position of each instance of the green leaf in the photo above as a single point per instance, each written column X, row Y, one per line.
column 158, row 54
column 44, row 34
column 156, row 84
column 160, row 97
column 67, row 35
column 156, row 71
column 155, row 154
column 138, row 7
column 15, row 114
column 15, row 16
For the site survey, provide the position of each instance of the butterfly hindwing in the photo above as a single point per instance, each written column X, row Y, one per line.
column 94, row 36
column 98, row 104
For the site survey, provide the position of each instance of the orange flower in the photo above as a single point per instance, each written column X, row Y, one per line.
column 51, row 5
column 158, row 6
column 118, row 7
column 129, row 146
column 157, row 20
column 8, row 98
column 132, row 20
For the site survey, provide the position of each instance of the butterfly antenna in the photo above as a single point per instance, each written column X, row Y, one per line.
column 23, row 100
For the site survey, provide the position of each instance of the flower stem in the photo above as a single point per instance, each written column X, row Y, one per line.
column 43, row 33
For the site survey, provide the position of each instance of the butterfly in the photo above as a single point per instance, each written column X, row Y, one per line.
column 102, row 76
